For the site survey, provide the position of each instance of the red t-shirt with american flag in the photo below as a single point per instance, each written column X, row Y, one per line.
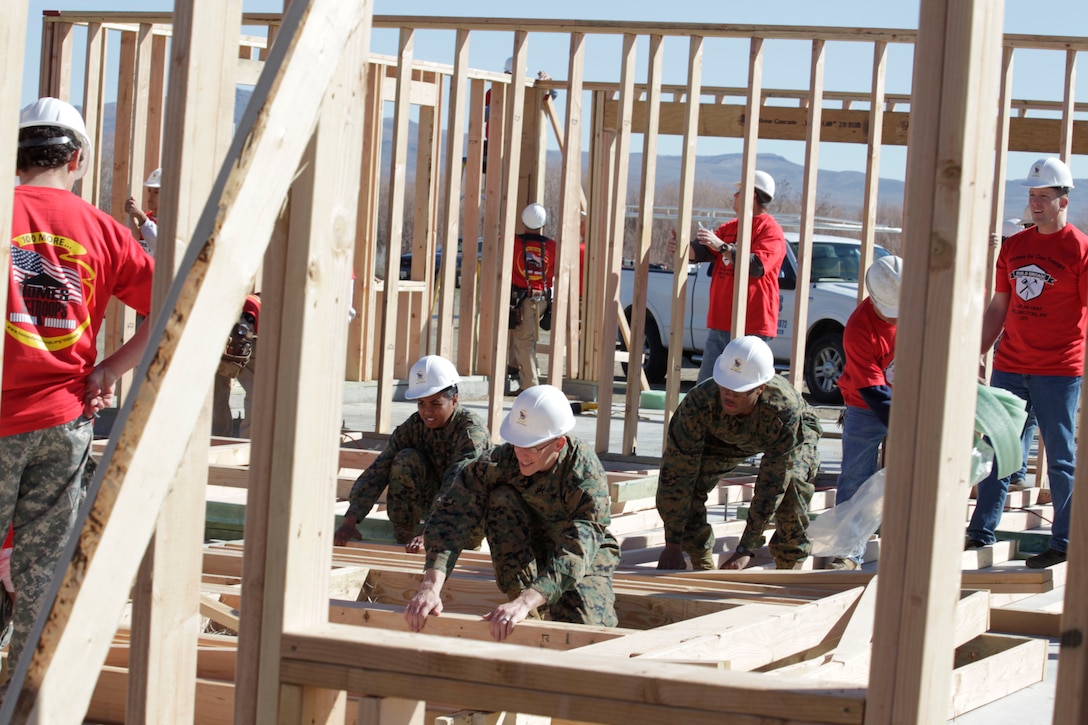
column 67, row 260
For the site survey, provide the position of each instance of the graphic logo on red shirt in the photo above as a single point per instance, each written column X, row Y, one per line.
column 1030, row 281
column 47, row 293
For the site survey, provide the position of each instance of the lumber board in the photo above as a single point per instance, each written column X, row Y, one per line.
column 508, row 677
column 530, row 632
column 992, row 666
column 214, row 703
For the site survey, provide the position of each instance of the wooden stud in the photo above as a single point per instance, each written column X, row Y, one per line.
column 470, row 267
column 951, row 157
column 618, row 211
column 393, row 231
column 509, row 218
column 872, row 163
column 165, row 607
column 93, row 91
column 683, row 232
column 449, row 224
column 566, row 296
column 645, row 239
column 808, row 213
column 742, row 261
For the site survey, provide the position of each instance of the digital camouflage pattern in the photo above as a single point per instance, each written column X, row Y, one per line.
column 416, row 463
column 703, row 444
column 41, row 477
column 548, row 531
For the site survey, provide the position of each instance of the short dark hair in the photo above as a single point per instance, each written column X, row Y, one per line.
column 450, row 392
column 763, row 198
column 46, row 147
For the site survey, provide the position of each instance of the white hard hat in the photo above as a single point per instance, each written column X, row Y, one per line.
column 539, row 414
column 1011, row 226
column 763, row 182
column 535, row 216
column 1025, row 221
column 431, row 374
column 746, row 363
column 55, row 112
column 883, row 279
column 508, row 67
column 154, row 179
column 1047, row 173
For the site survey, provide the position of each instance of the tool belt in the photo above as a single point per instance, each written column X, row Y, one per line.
column 517, row 296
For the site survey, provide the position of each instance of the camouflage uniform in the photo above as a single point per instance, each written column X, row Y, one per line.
column 703, row 444
column 548, row 532
column 41, row 475
column 416, row 462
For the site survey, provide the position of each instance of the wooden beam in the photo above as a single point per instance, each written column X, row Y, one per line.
column 497, row 676
column 470, row 265
column 808, row 213
column 617, row 209
column 742, row 262
column 200, row 124
column 509, row 218
column 872, row 165
column 394, row 229
column 683, row 233
column 130, row 486
column 949, row 172
column 94, row 80
column 644, row 243
column 566, row 296
column 449, row 224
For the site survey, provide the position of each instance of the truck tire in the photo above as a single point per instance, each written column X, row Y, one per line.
column 824, row 361
column 655, row 356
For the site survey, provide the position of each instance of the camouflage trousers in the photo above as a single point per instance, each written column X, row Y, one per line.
column 413, row 484
column 789, row 544
column 520, row 550
column 41, row 489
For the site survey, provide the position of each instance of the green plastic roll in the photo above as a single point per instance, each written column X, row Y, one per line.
column 653, row 399
column 1000, row 416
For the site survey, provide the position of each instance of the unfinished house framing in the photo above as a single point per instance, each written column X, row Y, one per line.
column 290, row 200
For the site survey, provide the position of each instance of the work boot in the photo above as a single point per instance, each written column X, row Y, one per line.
column 840, row 564
column 1050, row 557
column 973, row 544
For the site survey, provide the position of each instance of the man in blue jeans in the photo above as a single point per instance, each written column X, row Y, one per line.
column 866, row 385
column 1039, row 302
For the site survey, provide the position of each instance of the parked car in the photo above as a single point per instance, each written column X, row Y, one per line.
column 833, row 293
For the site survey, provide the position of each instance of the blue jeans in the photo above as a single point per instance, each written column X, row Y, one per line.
column 716, row 340
column 1054, row 398
column 862, row 433
column 1027, row 436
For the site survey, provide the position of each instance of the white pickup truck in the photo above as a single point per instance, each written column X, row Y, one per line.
column 833, row 293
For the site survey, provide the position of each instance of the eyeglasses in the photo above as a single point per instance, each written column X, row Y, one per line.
column 537, row 449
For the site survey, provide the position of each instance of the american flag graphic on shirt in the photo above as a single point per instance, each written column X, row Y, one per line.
column 47, row 289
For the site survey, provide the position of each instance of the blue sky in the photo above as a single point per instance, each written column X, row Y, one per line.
column 1038, row 75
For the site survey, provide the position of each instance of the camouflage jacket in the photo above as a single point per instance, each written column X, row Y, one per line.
column 570, row 502
column 782, row 427
column 448, row 449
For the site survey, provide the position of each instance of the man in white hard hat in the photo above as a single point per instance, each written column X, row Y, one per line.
column 745, row 410
column 146, row 221
column 543, row 499
column 423, row 457
column 866, row 385
column 719, row 247
column 68, row 259
column 530, row 293
column 1038, row 309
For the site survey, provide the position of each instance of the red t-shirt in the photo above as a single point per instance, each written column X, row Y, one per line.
column 252, row 306
column 1045, row 277
column 67, row 260
column 769, row 244
column 534, row 262
column 869, row 345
